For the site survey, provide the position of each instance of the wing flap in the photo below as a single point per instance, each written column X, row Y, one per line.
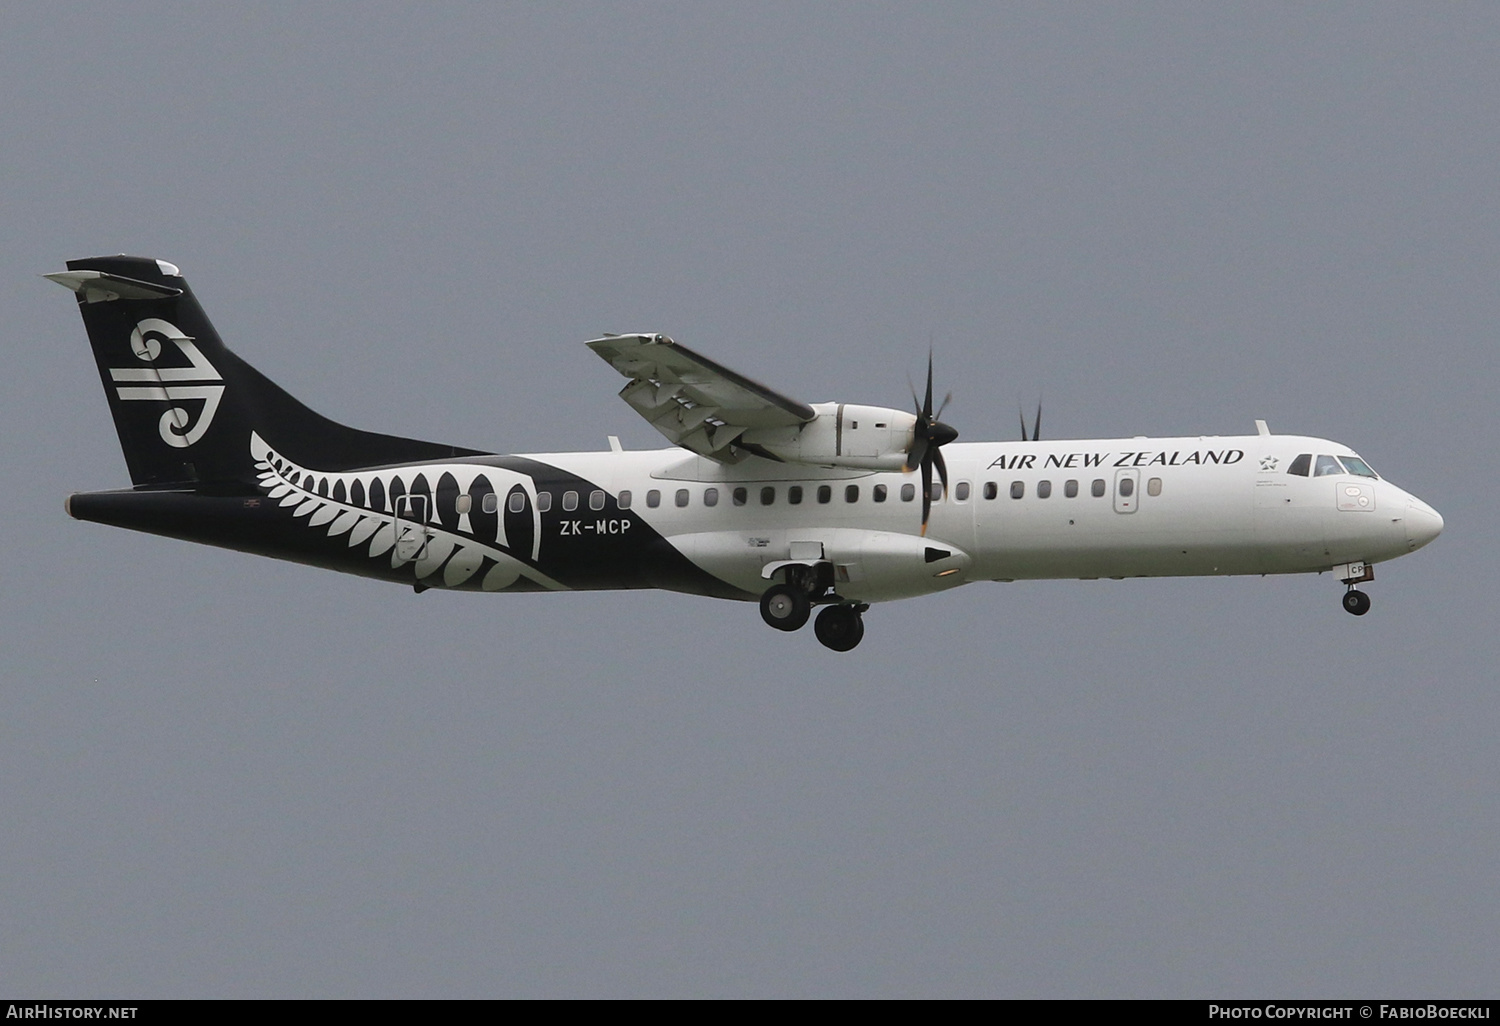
column 693, row 401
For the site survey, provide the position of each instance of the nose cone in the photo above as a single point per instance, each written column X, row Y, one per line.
column 940, row 433
column 1423, row 523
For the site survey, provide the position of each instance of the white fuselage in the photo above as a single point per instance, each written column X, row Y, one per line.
column 1143, row 507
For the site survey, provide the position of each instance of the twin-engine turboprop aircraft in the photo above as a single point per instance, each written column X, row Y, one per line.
column 762, row 498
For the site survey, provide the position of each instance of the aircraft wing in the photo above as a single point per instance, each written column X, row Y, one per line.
column 693, row 401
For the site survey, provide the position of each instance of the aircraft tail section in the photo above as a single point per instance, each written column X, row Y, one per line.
column 183, row 404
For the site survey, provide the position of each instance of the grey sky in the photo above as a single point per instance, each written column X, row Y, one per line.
column 234, row 777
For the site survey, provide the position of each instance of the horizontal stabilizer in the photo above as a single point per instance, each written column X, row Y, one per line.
column 98, row 287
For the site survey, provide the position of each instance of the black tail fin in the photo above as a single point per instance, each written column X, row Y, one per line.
column 184, row 405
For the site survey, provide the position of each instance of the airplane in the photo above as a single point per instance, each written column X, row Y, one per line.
column 761, row 497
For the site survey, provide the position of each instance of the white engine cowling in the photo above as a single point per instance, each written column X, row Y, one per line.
column 843, row 435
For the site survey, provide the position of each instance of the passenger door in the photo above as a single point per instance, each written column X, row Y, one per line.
column 412, row 532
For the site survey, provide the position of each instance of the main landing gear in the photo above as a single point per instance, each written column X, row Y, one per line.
column 787, row 607
column 840, row 627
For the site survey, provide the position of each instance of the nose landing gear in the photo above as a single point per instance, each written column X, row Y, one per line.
column 1355, row 601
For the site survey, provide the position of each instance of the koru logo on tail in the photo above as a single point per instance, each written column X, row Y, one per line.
column 200, row 381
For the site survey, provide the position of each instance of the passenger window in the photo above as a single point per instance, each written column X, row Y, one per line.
column 1153, row 486
column 463, row 504
column 825, row 493
column 710, row 496
column 1097, row 488
column 794, row 495
column 681, row 498
column 1301, row 465
column 767, row 495
column 991, row 489
column 596, row 500
column 1044, row 489
column 623, row 499
column 961, row 491
column 1070, row 489
column 491, row 502
column 653, row 498
column 908, row 492
column 851, row 493
column 937, row 491
column 739, row 496
column 570, row 501
column 1355, row 465
column 878, row 492
column 543, row 501
column 1127, row 487
column 517, row 502
column 1017, row 489
column 1327, row 465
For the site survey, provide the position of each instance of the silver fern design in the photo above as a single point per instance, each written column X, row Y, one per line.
column 379, row 510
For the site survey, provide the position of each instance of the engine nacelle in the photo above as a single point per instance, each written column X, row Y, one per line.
column 842, row 435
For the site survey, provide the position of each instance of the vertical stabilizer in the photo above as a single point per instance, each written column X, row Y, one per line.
column 183, row 404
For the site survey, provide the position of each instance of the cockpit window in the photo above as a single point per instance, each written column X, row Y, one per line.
column 1301, row 465
column 1327, row 465
column 1355, row 465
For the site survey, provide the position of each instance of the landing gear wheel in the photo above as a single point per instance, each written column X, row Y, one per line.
column 785, row 607
column 839, row 628
column 1356, row 602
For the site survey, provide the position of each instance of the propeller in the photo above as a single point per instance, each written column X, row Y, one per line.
column 928, row 438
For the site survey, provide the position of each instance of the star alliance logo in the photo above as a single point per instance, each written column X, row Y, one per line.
column 1268, row 463
column 171, row 384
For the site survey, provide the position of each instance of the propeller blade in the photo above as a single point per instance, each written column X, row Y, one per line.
column 927, row 406
column 918, row 451
column 1022, row 412
column 1036, row 431
column 926, row 494
column 942, row 467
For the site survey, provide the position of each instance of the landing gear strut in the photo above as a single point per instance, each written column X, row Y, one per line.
column 1356, row 601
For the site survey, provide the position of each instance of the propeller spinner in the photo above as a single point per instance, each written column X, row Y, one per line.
column 928, row 438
